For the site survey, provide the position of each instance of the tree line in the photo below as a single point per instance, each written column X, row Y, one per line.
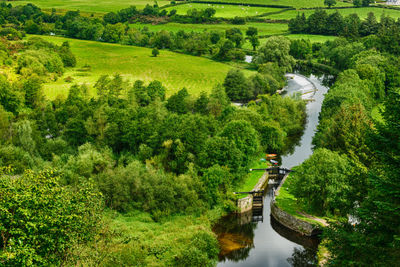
column 350, row 26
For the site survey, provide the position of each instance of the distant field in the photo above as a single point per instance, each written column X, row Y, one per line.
column 292, row 3
column 225, row 11
column 362, row 12
column 174, row 70
column 311, row 37
column 263, row 28
column 90, row 5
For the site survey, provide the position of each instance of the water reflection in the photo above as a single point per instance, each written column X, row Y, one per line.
column 244, row 242
column 303, row 258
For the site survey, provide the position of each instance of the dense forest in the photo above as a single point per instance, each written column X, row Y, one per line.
column 112, row 179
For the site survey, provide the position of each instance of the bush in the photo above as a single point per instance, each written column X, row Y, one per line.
column 40, row 220
column 155, row 52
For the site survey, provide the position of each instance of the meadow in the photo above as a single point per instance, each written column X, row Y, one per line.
column 361, row 12
column 225, row 11
column 291, row 3
column 263, row 28
column 102, row 6
column 312, row 37
column 174, row 70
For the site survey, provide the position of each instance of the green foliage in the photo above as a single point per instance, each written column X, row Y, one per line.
column 39, row 62
column 347, row 133
column 159, row 193
column 17, row 158
column 276, row 49
column 243, row 135
column 236, row 86
column 41, row 221
column 300, row 49
column 374, row 239
column 329, row 3
column 323, row 182
column 155, row 52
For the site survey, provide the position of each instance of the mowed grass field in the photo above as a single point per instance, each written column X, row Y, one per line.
column 174, row 70
column 313, row 39
column 225, row 11
column 361, row 12
column 102, row 6
column 263, row 28
column 291, row 3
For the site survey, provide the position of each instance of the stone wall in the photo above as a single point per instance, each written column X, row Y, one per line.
column 293, row 223
column 290, row 221
column 246, row 204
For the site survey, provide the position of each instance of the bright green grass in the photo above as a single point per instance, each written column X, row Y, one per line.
column 362, row 13
column 292, row 3
column 252, row 178
column 90, row 5
column 286, row 201
column 225, row 11
column 313, row 39
column 263, row 28
column 174, row 70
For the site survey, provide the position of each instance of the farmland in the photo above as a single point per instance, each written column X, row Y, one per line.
column 174, row 70
column 361, row 12
column 263, row 28
column 225, row 11
column 102, row 6
column 291, row 3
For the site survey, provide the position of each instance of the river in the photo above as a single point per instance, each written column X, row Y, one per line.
column 267, row 243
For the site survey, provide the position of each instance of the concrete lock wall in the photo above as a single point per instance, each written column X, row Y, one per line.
column 246, row 204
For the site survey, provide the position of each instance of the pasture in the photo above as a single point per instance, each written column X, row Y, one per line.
column 225, row 11
column 263, row 28
column 102, row 6
column 291, row 3
column 312, row 37
column 174, row 70
column 361, row 12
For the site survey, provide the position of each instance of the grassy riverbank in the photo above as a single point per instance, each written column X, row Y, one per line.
column 252, row 178
column 286, row 201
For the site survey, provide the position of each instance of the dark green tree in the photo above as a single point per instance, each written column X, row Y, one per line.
column 329, row 3
column 236, row 86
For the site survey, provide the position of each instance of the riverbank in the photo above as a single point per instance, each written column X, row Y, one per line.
column 289, row 212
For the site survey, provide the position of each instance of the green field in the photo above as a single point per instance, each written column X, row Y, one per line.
column 313, row 39
column 362, row 13
column 263, row 28
column 292, row 3
column 90, row 5
column 225, row 11
column 174, row 70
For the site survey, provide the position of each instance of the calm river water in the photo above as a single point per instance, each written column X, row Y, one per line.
column 267, row 243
